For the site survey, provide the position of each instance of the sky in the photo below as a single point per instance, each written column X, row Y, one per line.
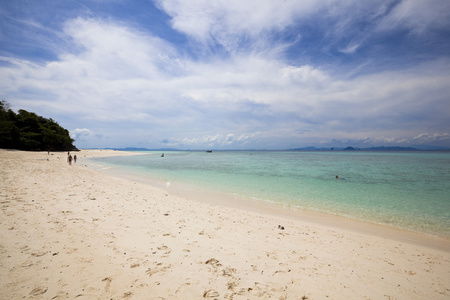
column 234, row 74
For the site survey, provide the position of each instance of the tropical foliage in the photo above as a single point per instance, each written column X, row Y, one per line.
column 28, row 131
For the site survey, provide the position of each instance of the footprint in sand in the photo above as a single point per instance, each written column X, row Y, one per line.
column 25, row 248
column 160, row 267
column 228, row 272
column 211, row 294
column 38, row 254
column 38, row 291
column 108, row 282
column 213, row 262
column 164, row 248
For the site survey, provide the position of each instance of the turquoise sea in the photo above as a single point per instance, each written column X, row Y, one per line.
column 408, row 190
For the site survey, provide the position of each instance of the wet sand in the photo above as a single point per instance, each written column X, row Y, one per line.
column 73, row 232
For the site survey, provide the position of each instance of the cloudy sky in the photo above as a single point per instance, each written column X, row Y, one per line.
column 231, row 74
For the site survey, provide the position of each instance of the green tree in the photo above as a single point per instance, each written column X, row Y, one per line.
column 8, row 131
column 28, row 131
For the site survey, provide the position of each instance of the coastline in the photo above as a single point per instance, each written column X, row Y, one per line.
column 210, row 196
column 373, row 190
column 70, row 231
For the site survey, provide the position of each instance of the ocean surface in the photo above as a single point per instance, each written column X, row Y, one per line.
column 407, row 190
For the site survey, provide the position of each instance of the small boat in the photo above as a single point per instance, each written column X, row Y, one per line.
column 162, row 155
column 208, row 151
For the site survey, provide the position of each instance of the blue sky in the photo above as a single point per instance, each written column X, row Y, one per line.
column 267, row 74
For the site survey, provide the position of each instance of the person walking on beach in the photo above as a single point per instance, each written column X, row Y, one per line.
column 69, row 159
column 75, row 158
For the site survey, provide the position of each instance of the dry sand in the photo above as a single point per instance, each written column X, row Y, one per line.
column 72, row 232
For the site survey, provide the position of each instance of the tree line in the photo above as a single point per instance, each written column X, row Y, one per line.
column 28, row 131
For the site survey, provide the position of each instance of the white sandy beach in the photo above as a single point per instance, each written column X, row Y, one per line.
column 72, row 232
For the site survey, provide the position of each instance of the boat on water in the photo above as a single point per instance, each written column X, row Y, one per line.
column 208, row 151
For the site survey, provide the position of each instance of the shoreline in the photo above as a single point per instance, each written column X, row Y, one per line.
column 73, row 232
column 207, row 195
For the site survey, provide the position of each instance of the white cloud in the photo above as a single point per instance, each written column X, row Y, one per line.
column 248, row 25
column 114, row 52
column 81, row 133
column 229, row 21
column 351, row 47
column 432, row 137
column 420, row 16
column 130, row 85
column 217, row 141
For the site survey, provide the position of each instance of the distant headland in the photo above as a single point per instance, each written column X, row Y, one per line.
column 379, row 148
column 310, row 148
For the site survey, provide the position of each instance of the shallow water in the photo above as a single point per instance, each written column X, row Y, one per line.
column 408, row 190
